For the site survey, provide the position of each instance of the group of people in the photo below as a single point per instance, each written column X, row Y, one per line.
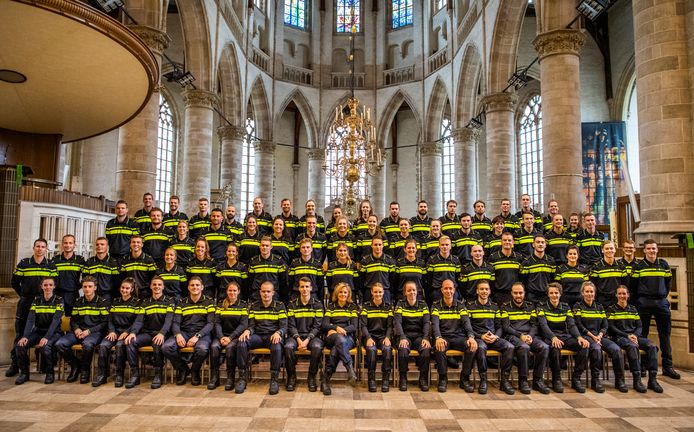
column 196, row 288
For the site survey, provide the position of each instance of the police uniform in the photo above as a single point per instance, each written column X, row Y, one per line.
column 482, row 226
column 206, row 270
column 249, row 246
column 346, row 317
column 142, row 219
column 571, row 280
column 429, row 247
column 270, row 269
column 155, row 241
column 492, row 244
column 234, row 227
column 507, row 271
column 106, row 272
column 440, row 269
column 451, row 323
column 217, row 239
column 449, row 225
column 171, row 220
column 523, row 241
column 536, row 273
column 121, row 318
column 359, row 226
column 118, row 235
column 230, row 321
column 141, row 269
column 69, row 276
column 376, row 323
column 420, row 228
column 338, row 272
column 198, row 224
column 471, row 274
column 185, row 249
column 311, row 269
column 537, row 218
column 335, row 240
column 225, row 274
column 174, row 281
column 283, row 247
column 291, row 225
column 410, row 271
column 363, row 244
column 304, row 321
column 396, row 245
column 511, row 222
column 590, row 247
column 264, row 221
column 390, row 227
column 558, row 245
column 607, row 277
column 381, row 270
column 413, row 324
column 318, row 242
column 320, row 225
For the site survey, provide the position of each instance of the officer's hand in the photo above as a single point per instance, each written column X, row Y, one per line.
column 386, row 342
column 341, row 331
column 111, row 336
column 192, row 341
column 180, row 341
column 583, row 342
column 275, row 338
column 527, row 339
column 158, row 339
column 441, row 344
column 244, row 336
column 22, row 342
column 130, row 338
column 42, row 343
column 123, row 335
column 370, row 342
column 224, row 341
column 404, row 343
column 472, row 344
column 557, row 343
column 634, row 339
column 302, row 344
column 426, row 344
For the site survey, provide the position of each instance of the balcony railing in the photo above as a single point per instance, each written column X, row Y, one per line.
column 297, row 74
column 398, row 75
column 342, row 80
column 260, row 59
column 438, row 59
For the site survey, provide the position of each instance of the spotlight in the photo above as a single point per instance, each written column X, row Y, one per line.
column 185, row 78
column 519, row 79
column 110, row 5
column 476, row 122
column 591, row 9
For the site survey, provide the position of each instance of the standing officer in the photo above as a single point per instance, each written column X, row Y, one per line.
column 69, row 266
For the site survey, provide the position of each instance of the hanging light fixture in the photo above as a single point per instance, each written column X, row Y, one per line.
column 352, row 142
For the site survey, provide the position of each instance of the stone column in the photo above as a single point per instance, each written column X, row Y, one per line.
column 394, row 182
column 430, row 154
column 231, row 138
column 295, row 184
column 265, row 173
column 136, row 163
column 198, row 119
column 316, row 178
column 501, row 147
column 665, row 107
column 465, row 147
column 561, row 117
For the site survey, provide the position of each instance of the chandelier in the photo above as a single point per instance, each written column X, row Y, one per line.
column 351, row 153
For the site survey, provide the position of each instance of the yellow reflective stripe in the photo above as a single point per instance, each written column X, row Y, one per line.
column 410, row 269
column 589, row 314
column 270, row 316
column 232, row 312
column 151, row 310
column 654, row 273
column 442, row 268
column 341, row 313
column 185, row 311
column 409, row 313
column 266, row 269
column 68, row 267
column 501, row 265
column 376, row 314
column 139, row 266
column 479, row 314
column 121, row 230
column 374, row 268
column 155, row 236
column 555, row 318
column 46, row 309
column 305, row 313
column 124, row 309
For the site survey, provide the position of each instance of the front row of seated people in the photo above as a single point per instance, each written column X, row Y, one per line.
column 194, row 329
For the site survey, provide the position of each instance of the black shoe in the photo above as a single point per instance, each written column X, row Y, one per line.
column 385, row 382
column 539, row 385
column 653, row 382
column 577, row 385
column 423, row 382
column 231, row 380
column 670, row 372
column 182, row 376
column 133, row 381
column 558, row 386
column 371, row 382
column 74, row 374
column 596, row 384
column 402, row 382
column 156, row 381
column 50, row 378
column 11, row 371
column 21, row 378
column 291, row 382
column 274, row 384
column 443, row 385
column 312, row 386
column 505, row 385
column 466, row 384
column 119, row 380
column 195, row 378
column 241, row 382
column 483, row 387
column 325, row 384
column 620, row 385
column 99, row 379
column 351, row 376
column 523, row 386
column 84, row 377
column 214, row 379
column 638, row 384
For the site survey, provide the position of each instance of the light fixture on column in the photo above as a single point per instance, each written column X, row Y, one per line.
column 352, row 142
column 476, row 122
column 591, row 9
column 519, row 79
column 110, row 5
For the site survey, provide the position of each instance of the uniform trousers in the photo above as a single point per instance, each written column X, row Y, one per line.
column 315, row 346
column 200, row 351
column 540, row 352
column 47, row 350
column 144, row 340
column 372, row 354
column 339, row 347
column 423, row 359
column 89, row 343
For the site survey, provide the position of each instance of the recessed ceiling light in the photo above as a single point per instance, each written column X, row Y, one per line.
column 11, row 76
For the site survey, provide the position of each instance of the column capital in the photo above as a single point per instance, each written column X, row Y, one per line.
column 501, row 101
column 433, row 148
column 316, row 154
column 199, row 99
column 156, row 40
column 465, row 135
column 562, row 41
column 231, row 132
column 264, row 146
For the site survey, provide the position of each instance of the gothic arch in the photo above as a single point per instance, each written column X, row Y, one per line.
column 196, row 37
column 230, row 84
column 471, row 72
column 390, row 111
column 325, row 130
column 507, row 30
column 261, row 110
column 435, row 110
column 306, row 114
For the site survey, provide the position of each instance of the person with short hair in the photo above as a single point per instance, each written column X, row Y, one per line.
column 376, row 324
column 119, row 230
column 310, row 207
column 607, row 274
column 571, row 276
column 412, row 327
column 203, row 267
column 292, row 224
column 464, row 239
column 263, row 218
column 481, row 224
column 183, row 244
column 473, row 272
column 430, row 245
column 590, row 240
column 525, row 235
column 363, row 241
column 69, row 267
column 267, row 267
column 155, row 236
column 537, row 270
column 137, row 265
column 142, row 216
column 318, row 240
column 217, row 235
column 173, row 216
column 104, row 268
column 511, row 221
column 235, row 227
column 232, row 270
column 377, row 267
column 440, row 267
column 526, row 207
column 306, row 266
column 410, row 268
column 507, row 268
column 249, row 241
column 200, row 221
column 342, row 270
column 558, row 240
column 174, row 275
column 450, row 221
column 420, row 223
column 390, row 225
column 42, row 330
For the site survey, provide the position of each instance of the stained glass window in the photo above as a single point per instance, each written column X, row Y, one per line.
column 166, row 140
column 295, row 13
column 347, row 12
column 402, row 13
column 248, row 169
column 447, row 163
column 530, row 151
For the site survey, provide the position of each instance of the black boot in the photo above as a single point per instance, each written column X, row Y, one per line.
column 134, row 379
column 214, row 379
column 670, row 372
column 312, row 387
column 22, row 377
column 85, row 375
column 539, row 385
column 74, row 373
column 274, row 384
column 291, row 382
column 577, row 384
column 638, row 384
column 182, row 375
column 557, row 384
column 351, row 376
column 325, row 384
column 99, row 379
column 156, row 381
column 231, row 378
column 653, row 382
column 482, row 388
column 195, row 378
column 443, row 384
column 13, row 370
column 371, row 381
column 120, row 379
column 403, row 381
column 50, row 377
column 423, row 382
column 505, row 384
column 466, row 384
column 241, row 382
column 385, row 382
column 620, row 385
column 523, row 385
column 596, row 384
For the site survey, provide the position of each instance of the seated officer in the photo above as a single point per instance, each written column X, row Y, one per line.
column 412, row 325
column 376, row 323
column 267, row 326
column 87, row 327
column 42, row 330
column 192, row 326
column 452, row 330
column 519, row 319
column 305, row 314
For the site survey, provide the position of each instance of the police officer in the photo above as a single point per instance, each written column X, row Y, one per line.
column 200, row 221
column 142, row 217
column 69, row 266
column 173, row 216
column 412, row 326
column 231, row 319
column 104, row 268
column 376, row 323
column 119, row 230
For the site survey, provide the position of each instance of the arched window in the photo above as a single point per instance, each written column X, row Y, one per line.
column 248, row 169
column 334, row 185
column 401, row 11
column 631, row 118
column 345, row 11
column 295, row 13
column 530, row 150
column 440, row 4
column 166, row 140
column 447, row 163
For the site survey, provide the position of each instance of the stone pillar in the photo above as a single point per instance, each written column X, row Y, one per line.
column 465, row 147
column 265, row 173
column 316, row 178
column 295, row 184
column 231, row 138
column 198, row 119
column 561, row 117
column 501, row 147
column 430, row 154
column 136, row 163
column 666, row 145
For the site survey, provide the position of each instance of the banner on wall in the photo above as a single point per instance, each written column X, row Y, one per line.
column 602, row 145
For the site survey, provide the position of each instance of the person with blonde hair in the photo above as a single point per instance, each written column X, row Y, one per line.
column 340, row 326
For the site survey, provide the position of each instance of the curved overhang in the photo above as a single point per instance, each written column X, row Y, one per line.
column 86, row 73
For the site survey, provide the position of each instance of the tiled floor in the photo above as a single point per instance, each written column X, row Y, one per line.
column 75, row 408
